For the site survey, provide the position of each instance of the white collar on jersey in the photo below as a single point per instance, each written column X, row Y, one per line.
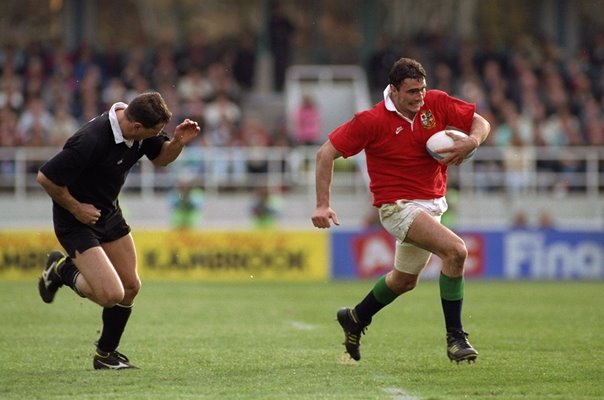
column 115, row 125
column 390, row 104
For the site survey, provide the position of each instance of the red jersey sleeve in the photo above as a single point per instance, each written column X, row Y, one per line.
column 353, row 136
column 457, row 113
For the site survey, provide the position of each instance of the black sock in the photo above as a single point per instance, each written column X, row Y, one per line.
column 452, row 311
column 379, row 297
column 69, row 273
column 367, row 308
column 114, row 323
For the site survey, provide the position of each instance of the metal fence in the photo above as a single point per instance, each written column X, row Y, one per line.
column 526, row 170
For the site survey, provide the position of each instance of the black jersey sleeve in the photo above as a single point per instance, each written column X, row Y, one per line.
column 152, row 147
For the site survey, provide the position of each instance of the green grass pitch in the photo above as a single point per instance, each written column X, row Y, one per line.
column 260, row 340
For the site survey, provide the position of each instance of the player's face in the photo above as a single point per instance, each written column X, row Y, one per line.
column 409, row 97
column 144, row 133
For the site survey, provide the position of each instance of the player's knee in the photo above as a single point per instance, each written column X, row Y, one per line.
column 455, row 257
column 401, row 285
column 111, row 297
column 132, row 288
column 405, row 286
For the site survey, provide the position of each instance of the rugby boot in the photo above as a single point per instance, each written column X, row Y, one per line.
column 111, row 360
column 458, row 347
column 50, row 281
column 353, row 329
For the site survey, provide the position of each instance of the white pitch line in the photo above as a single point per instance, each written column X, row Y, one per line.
column 301, row 326
column 399, row 394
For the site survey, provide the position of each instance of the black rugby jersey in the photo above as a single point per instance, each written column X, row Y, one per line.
column 94, row 167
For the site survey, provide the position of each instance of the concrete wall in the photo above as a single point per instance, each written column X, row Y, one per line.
column 231, row 211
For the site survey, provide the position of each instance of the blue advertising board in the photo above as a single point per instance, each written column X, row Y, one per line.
column 509, row 254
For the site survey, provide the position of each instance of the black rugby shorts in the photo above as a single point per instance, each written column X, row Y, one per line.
column 77, row 236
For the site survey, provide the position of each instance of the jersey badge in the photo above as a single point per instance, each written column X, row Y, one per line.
column 398, row 130
column 427, row 119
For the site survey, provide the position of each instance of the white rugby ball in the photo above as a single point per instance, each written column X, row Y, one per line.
column 441, row 140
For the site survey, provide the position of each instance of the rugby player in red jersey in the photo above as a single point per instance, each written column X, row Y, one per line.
column 408, row 188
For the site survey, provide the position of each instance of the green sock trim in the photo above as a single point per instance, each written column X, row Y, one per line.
column 382, row 293
column 451, row 288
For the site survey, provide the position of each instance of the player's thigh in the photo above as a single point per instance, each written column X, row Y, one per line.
column 410, row 259
column 98, row 272
column 122, row 254
column 428, row 233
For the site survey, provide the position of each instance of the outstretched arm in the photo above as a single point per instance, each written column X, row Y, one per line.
column 324, row 174
column 184, row 133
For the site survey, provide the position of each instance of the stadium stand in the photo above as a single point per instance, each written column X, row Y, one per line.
column 546, row 108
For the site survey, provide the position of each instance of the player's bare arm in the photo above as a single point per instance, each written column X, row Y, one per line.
column 184, row 133
column 85, row 213
column 324, row 173
column 480, row 129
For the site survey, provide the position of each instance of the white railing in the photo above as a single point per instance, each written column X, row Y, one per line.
column 528, row 170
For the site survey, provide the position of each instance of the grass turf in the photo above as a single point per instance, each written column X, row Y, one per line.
column 194, row 340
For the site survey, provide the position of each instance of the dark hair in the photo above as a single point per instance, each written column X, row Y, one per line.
column 405, row 68
column 149, row 109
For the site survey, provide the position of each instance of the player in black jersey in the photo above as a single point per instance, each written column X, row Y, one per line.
column 84, row 180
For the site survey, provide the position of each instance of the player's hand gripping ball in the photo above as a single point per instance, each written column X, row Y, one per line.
column 440, row 140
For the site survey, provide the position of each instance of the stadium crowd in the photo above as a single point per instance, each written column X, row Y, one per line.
column 532, row 94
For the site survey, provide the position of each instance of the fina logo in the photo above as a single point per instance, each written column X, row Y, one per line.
column 535, row 255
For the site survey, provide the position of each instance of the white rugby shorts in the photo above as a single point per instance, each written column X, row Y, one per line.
column 397, row 217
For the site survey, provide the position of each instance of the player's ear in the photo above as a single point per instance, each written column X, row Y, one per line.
column 137, row 125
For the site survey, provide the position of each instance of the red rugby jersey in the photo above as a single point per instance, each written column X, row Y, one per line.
column 398, row 164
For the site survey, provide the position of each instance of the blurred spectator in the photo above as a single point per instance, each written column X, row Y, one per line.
column 196, row 53
column 10, row 88
column 308, row 122
column 140, row 84
column 221, row 110
column 222, row 118
column 113, row 92
column 244, row 61
column 520, row 220
column 12, row 56
column 256, row 137
column 168, row 92
column 380, row 61
column 186, row 203
column 111, row 60
column 519, row 163
column 193, row 86
column 281, row 30
column 8, row 128
column 34, row 123
column 63, row 126
column 83, row 58
column 266, row 208
column 34, row 78
column 164, row 65
column 221, row 81
column 443, row 78
column 133, row 67
column 545, row 220
column 561, row 129
column 514, row 129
